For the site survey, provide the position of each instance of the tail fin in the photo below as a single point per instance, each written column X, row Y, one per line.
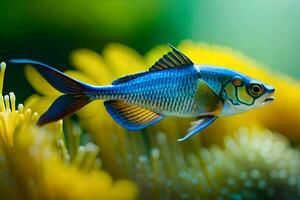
column 76, row 93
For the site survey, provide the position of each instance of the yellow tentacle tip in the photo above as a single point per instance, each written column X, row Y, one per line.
column 3, row 66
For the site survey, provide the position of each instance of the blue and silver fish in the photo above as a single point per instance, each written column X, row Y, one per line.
column 173, row 86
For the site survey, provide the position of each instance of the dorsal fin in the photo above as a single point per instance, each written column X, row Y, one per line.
column 172, row 59
column 126, row 78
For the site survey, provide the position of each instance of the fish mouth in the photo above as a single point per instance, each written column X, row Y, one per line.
column 269, row 92
column 269, row 99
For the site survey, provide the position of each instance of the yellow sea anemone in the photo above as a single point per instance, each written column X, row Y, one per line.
column 255, row 163
column 36, row 164
column 42, row 169
column 11, row 116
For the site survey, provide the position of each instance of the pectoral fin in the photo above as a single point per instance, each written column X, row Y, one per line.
column 207, row 99
column 198, row 126
column 131, row 117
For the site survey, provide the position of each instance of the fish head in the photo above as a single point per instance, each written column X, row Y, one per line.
column 242, row 93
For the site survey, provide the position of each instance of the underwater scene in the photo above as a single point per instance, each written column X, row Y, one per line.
column 113, row 100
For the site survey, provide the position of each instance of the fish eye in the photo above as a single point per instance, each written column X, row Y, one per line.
column 255, row 89
column 237, row 81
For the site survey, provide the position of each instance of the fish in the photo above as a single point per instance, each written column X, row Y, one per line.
column 172, row 86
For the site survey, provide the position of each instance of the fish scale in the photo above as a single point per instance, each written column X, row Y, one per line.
column 173, row 86
column 215, row 78
column 163, row 93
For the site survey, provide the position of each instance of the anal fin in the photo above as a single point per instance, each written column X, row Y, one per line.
column 131, row 117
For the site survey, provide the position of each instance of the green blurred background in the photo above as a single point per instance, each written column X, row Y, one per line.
column 47, row 31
